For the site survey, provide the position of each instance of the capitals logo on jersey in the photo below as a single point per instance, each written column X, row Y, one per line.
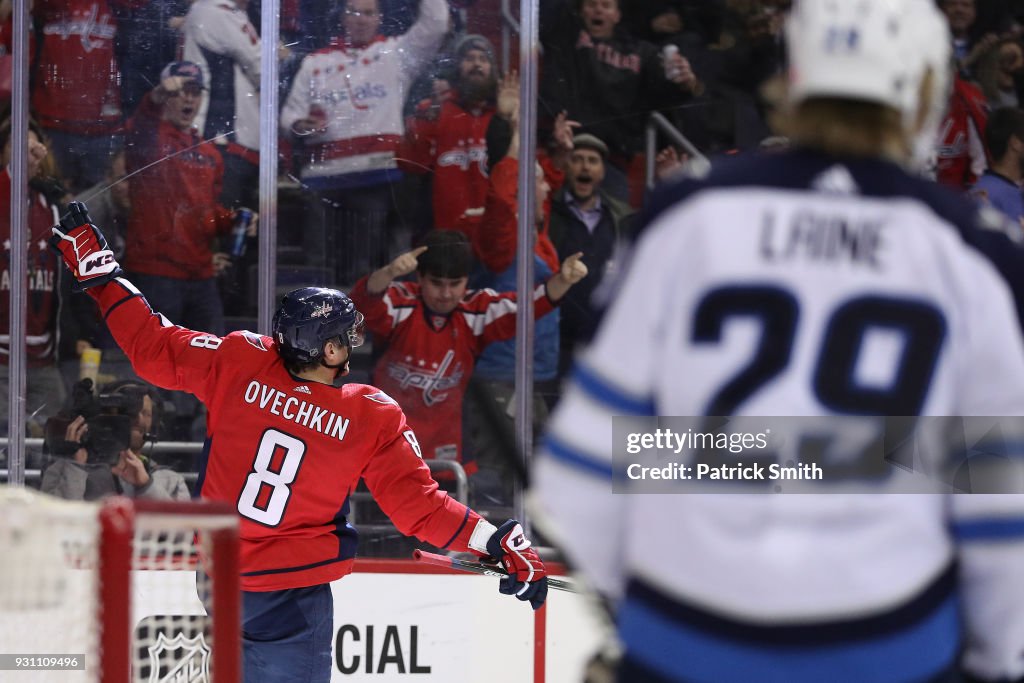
column 466, row 155
column 433, row 383
column 95, row 30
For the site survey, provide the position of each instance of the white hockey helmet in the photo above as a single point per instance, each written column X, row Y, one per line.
column 867, row 50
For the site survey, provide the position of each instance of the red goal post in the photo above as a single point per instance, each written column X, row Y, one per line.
column 73, row 571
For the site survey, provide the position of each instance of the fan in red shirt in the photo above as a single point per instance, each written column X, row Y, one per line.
column 435, row 329
column 960, row 157
column 45, row 387
column 447, row 136
column 76, row 86
column 286, row 447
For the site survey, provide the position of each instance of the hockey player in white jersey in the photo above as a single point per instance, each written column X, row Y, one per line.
column 826, row 280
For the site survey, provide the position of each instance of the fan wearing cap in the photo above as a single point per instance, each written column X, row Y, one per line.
column 585, row 218
column 447, row 136
column 176, row 213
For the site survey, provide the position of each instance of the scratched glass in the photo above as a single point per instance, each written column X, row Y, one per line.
column 350, row 187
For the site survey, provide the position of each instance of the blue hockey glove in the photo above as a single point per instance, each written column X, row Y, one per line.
column 527, row 578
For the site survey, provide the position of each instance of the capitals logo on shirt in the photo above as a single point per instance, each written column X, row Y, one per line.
column 465, row 156
column 432, row 383
column 93, row 29
column 359, row 95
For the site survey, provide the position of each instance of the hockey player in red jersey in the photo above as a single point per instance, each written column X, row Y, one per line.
column 287, row 447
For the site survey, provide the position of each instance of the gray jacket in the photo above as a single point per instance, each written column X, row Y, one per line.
column 70, row 480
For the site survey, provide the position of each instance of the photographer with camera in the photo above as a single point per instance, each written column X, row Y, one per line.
column 99, row 446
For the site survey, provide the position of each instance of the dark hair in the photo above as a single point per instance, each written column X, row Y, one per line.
column 449, row 254
column 5, row 131
column 134, row 391
column 1003, row 124
column 48, row 181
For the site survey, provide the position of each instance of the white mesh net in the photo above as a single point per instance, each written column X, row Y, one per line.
column 172, row 640
column 50, row 587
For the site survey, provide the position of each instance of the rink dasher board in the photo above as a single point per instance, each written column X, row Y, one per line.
column 396, row 620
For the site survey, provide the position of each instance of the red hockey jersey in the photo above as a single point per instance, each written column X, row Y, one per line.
column 452, row 144
column 287, row 453
column 427, row 366
column 77, row 84
column 43, row 267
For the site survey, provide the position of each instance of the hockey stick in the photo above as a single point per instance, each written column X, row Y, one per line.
column 480, row 568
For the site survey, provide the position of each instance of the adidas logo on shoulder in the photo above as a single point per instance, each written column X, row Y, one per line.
column 835, row 179
column 302, row 389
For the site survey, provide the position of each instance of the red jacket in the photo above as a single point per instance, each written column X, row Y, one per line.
column 961, row 154
column 43, row 270
column 287, row 453
column 496, row 240
column 453, row 144
column 77, row 84
column 175, row 211
column 426, row 368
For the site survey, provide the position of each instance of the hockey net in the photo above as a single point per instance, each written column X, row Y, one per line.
column 139, row 590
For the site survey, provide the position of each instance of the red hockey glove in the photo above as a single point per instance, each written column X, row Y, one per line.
column 527, row 578
column 84, row 248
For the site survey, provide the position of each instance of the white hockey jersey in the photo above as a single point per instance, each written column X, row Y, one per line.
column 798, row 285
column 362, row 91
column 220, row 38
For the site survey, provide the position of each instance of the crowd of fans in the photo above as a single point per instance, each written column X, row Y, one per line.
column 397, row 125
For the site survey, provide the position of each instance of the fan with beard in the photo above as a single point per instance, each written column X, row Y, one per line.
column 476, row 71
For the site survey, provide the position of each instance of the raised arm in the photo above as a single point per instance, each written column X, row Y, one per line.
column 402, row 265
column 381, row 304
column 163, row 354
column 421, row 41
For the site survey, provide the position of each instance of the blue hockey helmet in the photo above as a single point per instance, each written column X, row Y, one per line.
column 310, row 317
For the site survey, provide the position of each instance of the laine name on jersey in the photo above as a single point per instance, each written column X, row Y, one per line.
column 823, row 237
column 309, row 415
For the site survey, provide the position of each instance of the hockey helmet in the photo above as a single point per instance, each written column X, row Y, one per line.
column 866, row 50
column 310, row 317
